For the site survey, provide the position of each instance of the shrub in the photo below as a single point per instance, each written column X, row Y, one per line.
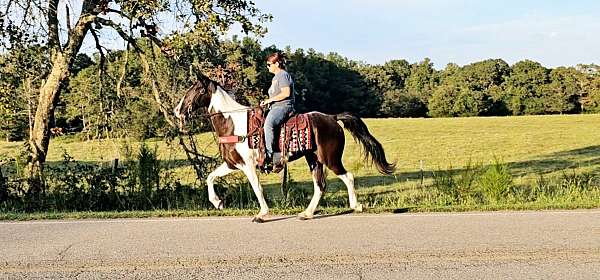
column 496, row 182
column 459, row 185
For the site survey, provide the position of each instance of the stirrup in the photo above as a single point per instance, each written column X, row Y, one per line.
column 267, row 165
column 278, row 162
column 278, row 167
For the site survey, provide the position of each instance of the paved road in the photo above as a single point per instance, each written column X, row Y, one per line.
column 497, row 245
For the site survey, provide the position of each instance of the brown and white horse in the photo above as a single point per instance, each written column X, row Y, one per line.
column 230, row 118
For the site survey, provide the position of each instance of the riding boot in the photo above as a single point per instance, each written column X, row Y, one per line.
column 267, row 166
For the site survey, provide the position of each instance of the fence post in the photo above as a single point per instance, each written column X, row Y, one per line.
column 421, row 170
column 3, row 187
column 115, row 166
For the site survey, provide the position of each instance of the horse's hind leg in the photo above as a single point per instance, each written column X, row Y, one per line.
column 335, row 164
column 319, row 186
column 329, row 137
column 348, row 180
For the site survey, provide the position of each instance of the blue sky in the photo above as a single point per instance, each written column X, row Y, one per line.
column 554, row 33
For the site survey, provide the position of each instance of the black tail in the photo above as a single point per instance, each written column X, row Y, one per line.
column 372, row 147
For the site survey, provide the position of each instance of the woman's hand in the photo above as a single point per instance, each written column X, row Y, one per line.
column 265, row 102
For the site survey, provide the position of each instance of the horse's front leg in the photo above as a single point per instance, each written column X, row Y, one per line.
column 250, row 171
column 221, row 171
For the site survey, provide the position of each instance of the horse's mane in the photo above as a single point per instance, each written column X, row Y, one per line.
column 226, row 101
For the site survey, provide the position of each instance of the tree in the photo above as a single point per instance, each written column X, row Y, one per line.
column 592, row 98
column 524, row 88
column 485, row 74
column 472, row 90
column 562, row 94
column 21, row 70
column 330, row 83
column 423, row 80
column 590, row 85
column 399, row 103
column 13, row 115
column 27, row 22
column 485, row 79
column 377, row 78
column 452, row 99
column 399, row 70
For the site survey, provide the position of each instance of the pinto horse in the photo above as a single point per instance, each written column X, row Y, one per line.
column 230, row 118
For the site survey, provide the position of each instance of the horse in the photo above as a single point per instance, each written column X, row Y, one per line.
column 228, row 118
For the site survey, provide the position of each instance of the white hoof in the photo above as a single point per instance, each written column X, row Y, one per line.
column 358, row 208
column 303, row 216
column 218, row 204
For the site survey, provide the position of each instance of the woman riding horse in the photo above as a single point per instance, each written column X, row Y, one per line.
column 230, row 120
column 281, row 98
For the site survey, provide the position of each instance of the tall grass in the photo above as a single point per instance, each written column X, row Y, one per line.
column 80, row 187
column 492, row 187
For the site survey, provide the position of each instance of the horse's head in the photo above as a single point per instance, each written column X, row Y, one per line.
column 198, row 96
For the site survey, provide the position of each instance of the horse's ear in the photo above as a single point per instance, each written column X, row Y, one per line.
column 192, row 91
column 204, row 79
column 211, row 86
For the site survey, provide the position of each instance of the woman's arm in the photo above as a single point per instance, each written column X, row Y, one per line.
column 285, row 93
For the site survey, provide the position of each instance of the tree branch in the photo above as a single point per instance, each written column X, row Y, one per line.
column 89, row 13
column 119, row 13
column 68, row 18
column 8, row 7
column 123, row 71
column 120, row 31
column 99, row 48
column 146, row 66
column 166, row 111
column 53, row 40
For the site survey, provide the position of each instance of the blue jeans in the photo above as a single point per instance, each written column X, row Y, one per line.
column 275, row 117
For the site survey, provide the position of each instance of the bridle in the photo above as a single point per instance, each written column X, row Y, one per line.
column 210, row 115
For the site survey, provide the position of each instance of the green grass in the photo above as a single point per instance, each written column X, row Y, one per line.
column 530, row 146
column 14, row 216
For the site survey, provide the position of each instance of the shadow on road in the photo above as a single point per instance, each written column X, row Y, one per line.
column 278, row 219
column 334, row 215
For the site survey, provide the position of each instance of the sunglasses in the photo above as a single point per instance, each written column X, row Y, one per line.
column 269, row 64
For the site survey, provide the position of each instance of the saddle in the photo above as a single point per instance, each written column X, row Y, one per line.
column 295, row 135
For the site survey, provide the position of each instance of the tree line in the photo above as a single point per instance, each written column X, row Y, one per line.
column 107, row 96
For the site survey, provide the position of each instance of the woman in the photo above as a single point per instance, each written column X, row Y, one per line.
column 281, row 98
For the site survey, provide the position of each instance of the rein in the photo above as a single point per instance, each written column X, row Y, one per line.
column 210, row 115
column 234, row 138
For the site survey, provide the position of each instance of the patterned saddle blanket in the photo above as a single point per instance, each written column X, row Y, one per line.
column 295, row 136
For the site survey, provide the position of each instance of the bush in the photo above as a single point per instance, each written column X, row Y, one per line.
column 496, row 182
column 459, row 185
column 475, row 183
column 74, row 186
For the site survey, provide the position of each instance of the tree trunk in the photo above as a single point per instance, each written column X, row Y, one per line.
column 39, row 139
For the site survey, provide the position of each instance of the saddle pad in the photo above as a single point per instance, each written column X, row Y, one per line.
column 296, row 135
column 256, row 121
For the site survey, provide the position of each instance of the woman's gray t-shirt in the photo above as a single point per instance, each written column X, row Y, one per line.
column 280, row 80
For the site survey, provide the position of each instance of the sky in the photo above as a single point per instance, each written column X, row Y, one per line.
column 554, row 33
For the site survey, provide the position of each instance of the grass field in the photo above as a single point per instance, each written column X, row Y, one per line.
column 529, row 145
